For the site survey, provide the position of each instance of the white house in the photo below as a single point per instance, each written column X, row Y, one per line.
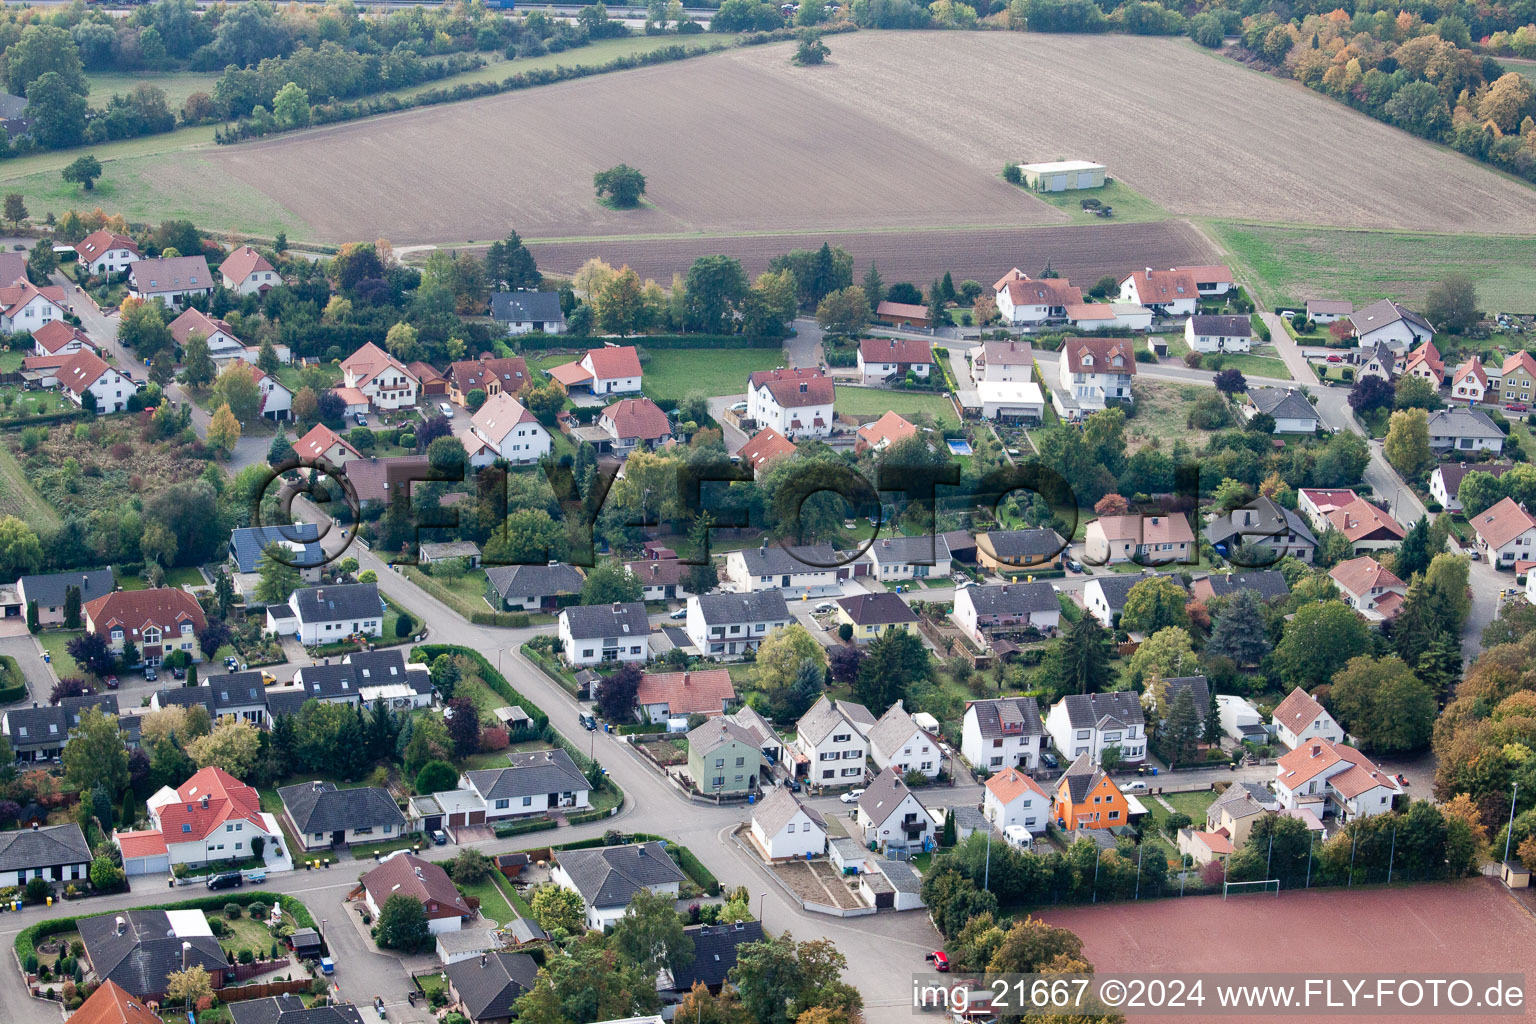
column 896, row 741
column 1013, row 798
column 1023, row 301
column 1089, row 723
column 607, row 877
column 276, row 399
column 247, row 272
column 1006, row 361
column 211, row 817
column 1387, row 323
column 1369, row 587
column 58, row 338
column 1019, row 401
column 528, row 312
column 509, row 430
column 1506, row 533
column 610, row 370
column 1240, row 719
column 1460, row 430
column 56, row 852
column 730, row 625
column 170, row 280
column 1168, row 293
column 1096, row 371
column 592, row 634
column 806, row 569
column 1213, row 279
column 25, row 307
column 1292, row 412
column 335, row 612
column 1470, row 381
column 533, row 782
column 1206, row 333
column 1445, row 481
column 795, row 402
column 882, row 360
column 223, row 344
column 1299, row 718
column 1104, row 595
column 1328, row 777
column 381, row 378
column 787, row 829
column 1326, row 311
column 891, row 816
column 831, row 737
column 905, row 558
column 85, row 372
column 105, row 252
column 1002, row 733
column 405, row 874
column 978, row 610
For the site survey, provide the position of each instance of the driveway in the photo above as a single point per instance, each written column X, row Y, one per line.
column 30, row 657
column 804, row 349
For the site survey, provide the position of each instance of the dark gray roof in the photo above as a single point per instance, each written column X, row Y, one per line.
column 1040, row 543
column 286, row 700
column 779, row 808
column 1014, row 599
column 541, row 306
column 534, row 580
column 329, row 682
column 1282, row 403
column 902, row 876
column 1383, row 312
column 610, row 876
column 712, row 733
column 373, row 668
column 589, row 622
column 48, row 590
column 714, row 952
column 827, row 714
column 338, row 601
column 534, row 773
column 1268, row 584
column 884, row 795
column 247, row 543
column 234, row 690
column 1115, row 587
column 878, row 608
column 961, row 545
column 1088, row 710
column 925, row 549
column 43, row 847
column 1459, row 421
column 1081, row 776
column 321, row 807
column 290, row 1009
column 1196, row 685
column 758, row 606
column 992, row 714
column 1269, row 520
column 46, row 724
column 1229, row 326
column 1452, row 473
column 775, row 560
column 146, row 952
column 488, row 985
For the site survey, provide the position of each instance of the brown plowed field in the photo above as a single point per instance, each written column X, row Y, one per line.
column 1082, row 253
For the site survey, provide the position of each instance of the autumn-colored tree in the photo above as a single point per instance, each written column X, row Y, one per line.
column 223, row 430
column 1112, row 505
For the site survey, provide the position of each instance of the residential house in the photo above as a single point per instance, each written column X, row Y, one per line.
column 381, row 378
column 528, row 312
column 1240, row 719
column 1514, row 379
column 486, row 373
column 106, row 252
column 879, row 435
column 668, row 695
column 610, row 370
column 300, row 543
column 890, row 814
column 1235, row 811
column 874, row 615
column 1094, row 372
column 405, row 874
column 765, row 446
column 1317, row 504
column 795, row 402
column 486, row 989
column 1087, row 724
column 85, row 373
column 1016, row 402
column 1368, row 528
column 1326, row 778
column 138, row 950
column 1291, row 411
column 896, row 558
column 897, row 742
column 795, row 571
column 1506, row 533
column 756, row 725
column 211, row 817
column 335, row 612
column 1104, row 596
column 1268, row 584
column 433, row 382
column 276, row 399
column 532, row 588
column 1146, row 540
column 1379, row 361
column 24, row 307
column 158, row 622
column 247, row 272
column 237, row 695
column 1006, row 550
column 223, row 344
column 883, row 360
column 324, row 445
column 1086, row 797
column 1002, row 733
column 1300, row 718
column 632, row 422
column 445, row 551
column 1106, row 316
column 1445, row 481
column 171, row 280
column 592, row 634
column 1023, row 301
column 1210, row 333
column 1369, row 587
column 383, row 675
column 830, row 736
column 1470, row 381
column 39, row 732
column 1262, row 523
column 1006, row 362
column 607, row 877
column 1214, row 279
column 1204, row 848
column 661, row 579
column 533, row 782
column 322, row 816
column 112, row 1004
column 59, row 338
column 1010, row 797
column 729, row 625
column 902, row 314
column 1390, row 324
column 1168, row 293
column 290, row 1009
column 786, row 829
column 723, row 758
column 1326, row 311
column 508, row 430
column 1425, row 363
column 1012, row 607
column 1459, row 430
column 58, row 853
column 1162, row 699
column 50, row 591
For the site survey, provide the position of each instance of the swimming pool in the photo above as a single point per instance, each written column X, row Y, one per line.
column 959, row 446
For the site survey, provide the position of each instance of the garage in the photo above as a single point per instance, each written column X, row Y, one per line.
column 144, row 853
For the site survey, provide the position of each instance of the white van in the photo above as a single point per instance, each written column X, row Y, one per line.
column 1018, row 837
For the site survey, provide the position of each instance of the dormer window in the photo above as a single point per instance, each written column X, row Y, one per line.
column 1087, row 359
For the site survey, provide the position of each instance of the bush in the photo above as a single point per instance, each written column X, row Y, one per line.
column 38, row 890
column 407, row 440
column 404, row 624
column 247, row 957
column 233, row 911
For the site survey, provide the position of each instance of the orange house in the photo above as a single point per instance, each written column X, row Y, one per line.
column 1086, row 797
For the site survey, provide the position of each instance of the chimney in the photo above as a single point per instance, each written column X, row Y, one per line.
column 1317, row 749
column 205, row 801
column 186, row 955
column 483, row 959
column 640, row 850
column 121, row 925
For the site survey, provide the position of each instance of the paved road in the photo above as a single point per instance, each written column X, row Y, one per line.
column 804, row 349
column 29, row 657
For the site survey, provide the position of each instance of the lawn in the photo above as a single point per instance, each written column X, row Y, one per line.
column 53, row 641
column 245, row 933
column 11, row 359
column 1162, row 413
column 493, row 900
column 677, row 373
column 31, row 403
column 876, row 401
column 17, row 495
column 1253, row 364
column 1130, row 206
column 293, row 375
column 464, row 594
column 177, row 85
column 181, row 576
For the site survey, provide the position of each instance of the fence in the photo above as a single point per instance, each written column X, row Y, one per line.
column 263, row 989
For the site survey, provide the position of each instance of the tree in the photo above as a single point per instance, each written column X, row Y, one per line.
column 616, row 697
column 1080, row 662
column 91, row 652
column 1383, row 703
column 58, row 113
column 463, row 725
column 21, row 552
column 895, row 660
column 1153, row 604
column 509, row 264
column 1371, row 393
column 306, row 406
column 1413, row 553
column 621, row 305
column 1178, row 732
column 95, row 754
column 291, row 106
column 812, row 50
column 779, row 978
column 1231, row 382
column 471, row 867
column 233, row 745
column 843, row 312
column 196, row 361
column 622, row 186
column 714, row 287
column 223, row 430
column 1451, row 304
column 1416, row 393
column 71, row 607
column 44, row 49
column 402, row 343
column 237, row 388
column 651, row 934
column 610, row 583
column 1407, row 444
column 1419, row 108
column 15, row 210
column 1239, row 632
column 42, row 261
column 1031, row 945
column 84, row 172
column 281, row 450
column 403, row 925
column 780, row 656
column 436, row 776
column 192, row 985
column 556, row 908
column 1318, row 641
column 1167, row 653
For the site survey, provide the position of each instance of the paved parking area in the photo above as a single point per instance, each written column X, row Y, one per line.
column 30, row 657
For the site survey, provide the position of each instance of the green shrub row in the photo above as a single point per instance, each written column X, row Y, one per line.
column 512, row 620
column 26, row 939
column 46, row 417
column 494, row 679
column 701, row 875
column 508, row 829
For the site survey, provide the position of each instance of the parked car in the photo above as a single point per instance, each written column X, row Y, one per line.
column 226, row 880
column 587, row 721
column 825, row 606
column 1134, row 786
column 1517, row 407
column 851, row 796
column 939, row 959
column 178, row 673
column 439, row 837
column 149, row 674
column 1018, row 837
column 360, row 419
column 681, row 613
column 111, row 682
column 445, row 409
column 268, row 679
column 1074, row 565
column 231, row 664
column 1049, row 760
column 1335, row 359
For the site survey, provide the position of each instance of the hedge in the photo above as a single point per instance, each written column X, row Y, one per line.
column 14, row 686
column 513, row 620
column 46, row 417
column 634, row 728
column 701, row 875
column 26, row 939
column 582, row 817
column 495, row 680
column 504, row 831
column 1260, row 328
column 540, row 342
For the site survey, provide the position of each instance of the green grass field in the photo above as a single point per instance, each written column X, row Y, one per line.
column 177, row 85
column 1293, row 264
column 11, row 360
column 875, row 401
column 54, row 641
column 493, row 902
column 1254, row 365
column 1130, row 206
column 677, row 373
column 18, row 497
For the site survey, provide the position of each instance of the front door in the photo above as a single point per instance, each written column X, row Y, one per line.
column 554, row 800
column 339, row 837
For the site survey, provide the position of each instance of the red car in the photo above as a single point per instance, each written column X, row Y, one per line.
column 1335, row 359
column 1516, row 406
column 940, row 960
column 111, row 682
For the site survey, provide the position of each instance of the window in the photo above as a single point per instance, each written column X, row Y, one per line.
column 527, row 801
column 502, row 804
column 791, row 827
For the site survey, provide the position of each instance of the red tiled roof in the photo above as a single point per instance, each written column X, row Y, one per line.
column 1163, row 286
column 1502, row 523
column 1314, row 757
column 1359, row 575
column 206, row 801
column 1008, row 784
column 889, row 428
column 658, row 572
column 81, row 370
column 903, row 310
column 1217, row 843
column 97, row 242
column 1103, row 350
column 1024, row 290
column 638, row 417
column 242, row 263
column 14, row 296
column 1473, row 367
column 372, row 479
column 147, row 843
column 765, row 445
column 370, row 361
column 702, row 692
column 1297, row 711
column 1360, row 519
column 794, row 387
column 498, row 416
column 1215, row 273
column 196, row 320
column 895, row 350
column 134, row 610
column 409, row 875
column 113, row 1004
column 318, row 441
column 614, row 361
column 569, row 374
column 55, row 334
column 1147, row 529
column 510, row 374
column 1521, row 360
